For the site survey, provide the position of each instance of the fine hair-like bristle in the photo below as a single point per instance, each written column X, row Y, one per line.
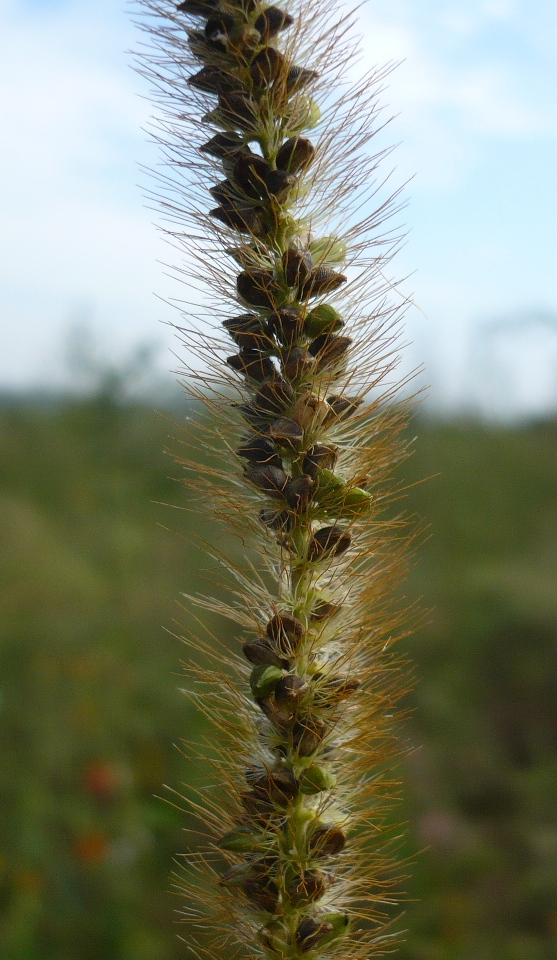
column 294, row 336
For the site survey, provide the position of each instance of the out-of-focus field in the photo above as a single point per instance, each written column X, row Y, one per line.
column 90, row 565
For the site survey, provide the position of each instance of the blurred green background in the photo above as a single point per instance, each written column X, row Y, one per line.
column 91, row 564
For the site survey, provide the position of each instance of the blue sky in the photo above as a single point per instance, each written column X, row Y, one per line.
column 476, row 120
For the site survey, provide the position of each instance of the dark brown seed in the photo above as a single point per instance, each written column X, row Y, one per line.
column 323, row 610
column 310, row 932
column 296, row 363
column 297, row 266
column 218, row 28
column 250, row 172
column 211, row 80
column 204, row 48
column 223, row 192
column 334, row 691
column 243, row 219
column 327, row 840
column 265, row 866
column 268, row 707
column 267, row 66
column 298, row 493
column 223, row 145
column 259, row 288
column 308, row 887
column 269, row 479
column 328, row 542
column 286, row 710
column 252, row 416
column 279, row 183
column 261, row 653
column 321, row 456
column 322, row 280
column 201, row 48
column 286, row 632
column 295, row 154
column 256, row 805
column 286, row 324
column 290, row 687
column 287, row 432
column 236, row 361
column 341, row 408
column 199, row 8
column 328, row 349
column 299, row 77
column 271, row 21
column 248, row 332
column 263, row 892
column 260, row 450
column 308, row 735
column 279, row 787
column 274, row 395
column 289, row 690
column 238, row 109
column 252, row 364
column 279, row 520
column 234, row 876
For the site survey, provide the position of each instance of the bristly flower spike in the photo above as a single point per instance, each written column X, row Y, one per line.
column 269, row 200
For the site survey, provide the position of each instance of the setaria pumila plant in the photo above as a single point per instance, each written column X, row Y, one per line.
column 271, row 195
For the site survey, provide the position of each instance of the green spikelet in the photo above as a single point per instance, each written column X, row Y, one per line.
column 269, row 170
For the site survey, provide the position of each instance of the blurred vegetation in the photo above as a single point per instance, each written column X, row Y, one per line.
column 90, row 708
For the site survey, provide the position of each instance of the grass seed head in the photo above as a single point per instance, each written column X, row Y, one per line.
column 293, row 339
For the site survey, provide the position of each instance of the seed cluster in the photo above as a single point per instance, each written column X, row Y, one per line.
column 290, row 353
column 302, row 810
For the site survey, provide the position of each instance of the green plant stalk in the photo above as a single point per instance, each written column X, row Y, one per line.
column 298, row 860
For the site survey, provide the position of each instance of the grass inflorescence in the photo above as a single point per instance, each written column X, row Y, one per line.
column 267, row 147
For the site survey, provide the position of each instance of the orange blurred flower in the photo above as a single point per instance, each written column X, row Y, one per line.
column 91, row 847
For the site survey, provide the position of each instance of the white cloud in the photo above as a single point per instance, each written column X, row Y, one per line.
column 67, row 108
column 468, row 19
column 453, row 105
column 499, row 9
column 485, row 95
column 74, row 232
column 489, row 105
column 76, row 235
